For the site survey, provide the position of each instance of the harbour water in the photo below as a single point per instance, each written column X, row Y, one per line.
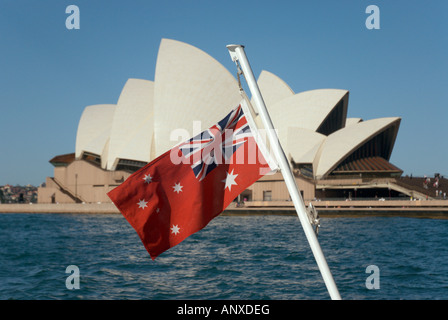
column 234, row 257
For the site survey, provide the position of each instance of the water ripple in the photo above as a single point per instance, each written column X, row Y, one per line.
column 250, row 257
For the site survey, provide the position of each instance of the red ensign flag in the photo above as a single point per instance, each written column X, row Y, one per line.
column 181, row 191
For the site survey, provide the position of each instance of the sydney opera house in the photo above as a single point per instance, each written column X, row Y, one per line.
column 332, row 156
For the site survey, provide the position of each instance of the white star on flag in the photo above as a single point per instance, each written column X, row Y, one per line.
column 230, row 180
column 177, row 187
column 148, row 178
column 142, row 204
column 175, row 229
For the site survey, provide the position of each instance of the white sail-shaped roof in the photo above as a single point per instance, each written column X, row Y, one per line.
column 132, row 127
column 272, row 88
column 351, row 121
column 94, row 129
column 307, row 110
column 343, row 142
column 303, row 144
column 190, row 86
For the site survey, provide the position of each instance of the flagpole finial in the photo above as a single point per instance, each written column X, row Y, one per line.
column 232, row 48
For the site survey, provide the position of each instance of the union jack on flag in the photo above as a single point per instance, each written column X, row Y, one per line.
column 208, row 149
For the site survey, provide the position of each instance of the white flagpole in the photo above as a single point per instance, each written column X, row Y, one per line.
column 237, row 53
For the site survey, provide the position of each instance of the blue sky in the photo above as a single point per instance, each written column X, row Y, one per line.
column 49, row 74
